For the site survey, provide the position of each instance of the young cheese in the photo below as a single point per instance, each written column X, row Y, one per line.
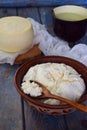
column 16, row 34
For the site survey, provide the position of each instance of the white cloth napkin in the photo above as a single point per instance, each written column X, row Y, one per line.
column 50, row 45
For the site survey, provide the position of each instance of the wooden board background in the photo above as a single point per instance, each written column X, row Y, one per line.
column 22, row 3
column 15, row 114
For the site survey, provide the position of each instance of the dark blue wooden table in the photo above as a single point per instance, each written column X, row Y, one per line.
column 15, row 114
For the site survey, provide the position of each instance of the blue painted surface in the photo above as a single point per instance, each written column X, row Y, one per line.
column 21, row 3
column 10, row 102
column 43, row 121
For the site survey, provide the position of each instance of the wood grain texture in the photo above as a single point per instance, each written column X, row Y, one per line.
column 29, row 12
column 47, row 18
column 39, row 121
column 22, row 3
column 77, row 120
column 32, row 53
column 7, row 12
column 10, row 102
column 11, row 109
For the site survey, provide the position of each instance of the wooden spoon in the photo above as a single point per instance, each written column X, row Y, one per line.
column 46, row 94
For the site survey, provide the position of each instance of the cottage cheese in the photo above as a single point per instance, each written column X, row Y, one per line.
column 60, row 79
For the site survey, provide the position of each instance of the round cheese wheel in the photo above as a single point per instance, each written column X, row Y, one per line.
column 16, row 34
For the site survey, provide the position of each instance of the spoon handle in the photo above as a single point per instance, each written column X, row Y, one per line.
column 72, row 103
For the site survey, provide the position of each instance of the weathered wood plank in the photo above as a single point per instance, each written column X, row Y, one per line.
column 29, row 12
column 47, row 18
column 77, row 120
column 22, row 3
column 39, row 121
column 10, row 101
column 10, row 104
column 7, row 12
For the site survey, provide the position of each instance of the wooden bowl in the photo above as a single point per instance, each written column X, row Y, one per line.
column 45, row 108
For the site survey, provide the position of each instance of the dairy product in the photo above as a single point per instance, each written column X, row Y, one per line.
column 60, row 79
column 31, row 88
column 16, row 34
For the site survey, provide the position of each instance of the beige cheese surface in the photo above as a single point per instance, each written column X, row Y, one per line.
column 16, row 34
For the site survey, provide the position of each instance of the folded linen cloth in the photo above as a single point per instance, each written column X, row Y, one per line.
column 49, row 45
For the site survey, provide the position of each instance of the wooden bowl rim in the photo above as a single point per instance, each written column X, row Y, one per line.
column 40, row 60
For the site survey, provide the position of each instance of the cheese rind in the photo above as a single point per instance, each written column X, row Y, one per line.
column 16, row 34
